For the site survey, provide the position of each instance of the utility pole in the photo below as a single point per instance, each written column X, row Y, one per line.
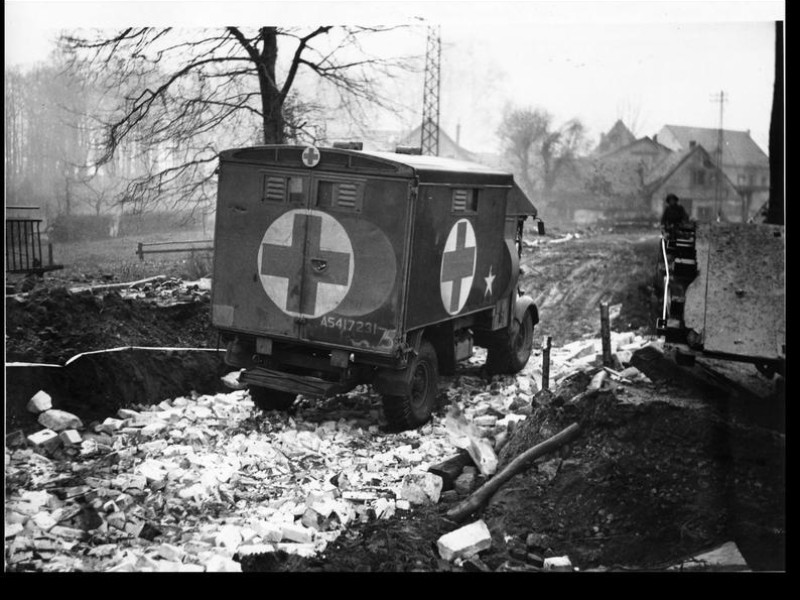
column 430, row 100
column 718, row 177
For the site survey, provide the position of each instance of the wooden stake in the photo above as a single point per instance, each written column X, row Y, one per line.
column 483, row 494
column 605, row 333
column 546, row 364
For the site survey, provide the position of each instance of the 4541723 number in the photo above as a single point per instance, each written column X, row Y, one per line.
column 342, row 324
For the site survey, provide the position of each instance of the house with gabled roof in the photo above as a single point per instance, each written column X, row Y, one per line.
column 743, row 161
column 692, row 175
column 617, row 137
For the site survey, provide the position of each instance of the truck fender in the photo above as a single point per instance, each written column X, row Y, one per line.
column 525, row 304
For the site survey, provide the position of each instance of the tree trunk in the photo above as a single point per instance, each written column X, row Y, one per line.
column 271, row 102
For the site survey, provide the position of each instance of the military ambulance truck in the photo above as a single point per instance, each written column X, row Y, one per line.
column 336, row 267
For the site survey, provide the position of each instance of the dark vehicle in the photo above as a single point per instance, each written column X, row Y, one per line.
column 336, row 267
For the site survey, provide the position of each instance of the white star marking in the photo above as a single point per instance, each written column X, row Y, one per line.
column 489, row 281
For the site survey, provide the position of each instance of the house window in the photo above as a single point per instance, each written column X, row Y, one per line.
column 465, row 200
column 340, row 195
column 742, row 179
column 699, row 177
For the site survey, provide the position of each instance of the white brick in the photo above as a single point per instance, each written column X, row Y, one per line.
column 45, row 437
column 558, row 563
column 154, row 428
column 111, row 425
column 70, row 437
column 59, row 420
column 127, row 413
column 465, row 542
column 40, row 402
column 297, row 533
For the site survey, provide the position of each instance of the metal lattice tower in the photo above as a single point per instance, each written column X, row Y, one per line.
column 430, row 100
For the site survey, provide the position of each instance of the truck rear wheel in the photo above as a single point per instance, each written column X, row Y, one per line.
column 415, row 409
column 509, row 352
column 267, row 399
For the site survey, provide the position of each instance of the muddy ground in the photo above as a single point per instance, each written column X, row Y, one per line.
column 660, row 471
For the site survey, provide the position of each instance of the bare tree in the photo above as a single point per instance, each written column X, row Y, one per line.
column 539, row 151
column 630, row 113
column 189, row 94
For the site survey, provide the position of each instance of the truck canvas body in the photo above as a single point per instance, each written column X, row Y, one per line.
column 337, row 267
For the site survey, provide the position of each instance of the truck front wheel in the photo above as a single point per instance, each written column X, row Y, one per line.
column 267, row 399
column 415, row 408
column 509, row 352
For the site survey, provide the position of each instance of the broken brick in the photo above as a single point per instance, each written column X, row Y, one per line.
column 465, row 542
column 40, row 402
column 46, row 438
column 70, row 437
column 421, row 488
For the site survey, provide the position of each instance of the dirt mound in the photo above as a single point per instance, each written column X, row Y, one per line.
column 568, row 280
column 52, row 324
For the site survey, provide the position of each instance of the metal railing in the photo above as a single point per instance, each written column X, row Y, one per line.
column 24, row 245
column 174, row 247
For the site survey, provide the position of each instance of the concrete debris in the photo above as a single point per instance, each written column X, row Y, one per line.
column 110, row 425
column 40, row 402
column 59, row 420
column 465, row 542
column 421, row 488
column 558, row 564
column 46, row 438
column 70, row 437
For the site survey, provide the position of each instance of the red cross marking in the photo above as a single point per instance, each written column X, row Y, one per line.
column 310, row 156
column 457, row 265
column 305, row 271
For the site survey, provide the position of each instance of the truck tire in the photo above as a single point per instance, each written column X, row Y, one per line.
column 508, row 353
column 267, row 399
column 415, row 409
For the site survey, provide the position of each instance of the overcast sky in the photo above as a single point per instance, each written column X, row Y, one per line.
column 650, row 63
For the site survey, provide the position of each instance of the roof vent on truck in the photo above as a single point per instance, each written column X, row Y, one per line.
column 408, row 150
column 349, row 145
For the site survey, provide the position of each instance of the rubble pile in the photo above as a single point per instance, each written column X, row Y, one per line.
column 202, row 482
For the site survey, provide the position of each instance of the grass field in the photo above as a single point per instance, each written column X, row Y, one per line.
column 117, row 258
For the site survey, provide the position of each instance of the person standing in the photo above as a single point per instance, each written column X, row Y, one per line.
column 674, row 214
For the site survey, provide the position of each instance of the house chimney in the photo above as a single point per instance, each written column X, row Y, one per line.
column 692, row 144
column 458, row 134
column 655, row 138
